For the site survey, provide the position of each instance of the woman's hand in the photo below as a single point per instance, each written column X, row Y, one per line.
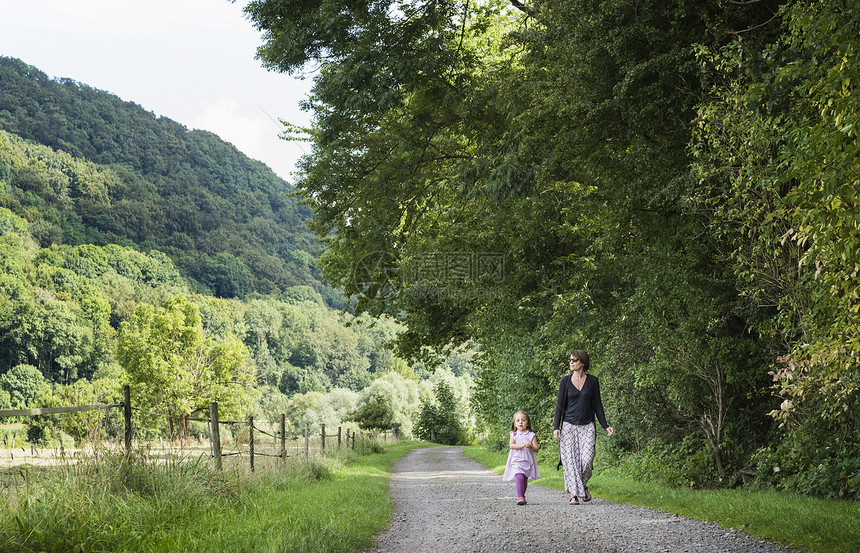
column 556, row 435
column 610, row 431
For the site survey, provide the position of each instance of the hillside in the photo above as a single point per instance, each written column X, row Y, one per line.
column 110, row 172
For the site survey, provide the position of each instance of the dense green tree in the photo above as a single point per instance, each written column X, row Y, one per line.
column 300, row 411
column 175, row 367
column 440, row 417
column 24, row 384
column 90, row 426
column 392, row 395
column 374, row 412
column 224, row 275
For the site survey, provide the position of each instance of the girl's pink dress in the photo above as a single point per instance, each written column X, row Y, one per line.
column 521, row 460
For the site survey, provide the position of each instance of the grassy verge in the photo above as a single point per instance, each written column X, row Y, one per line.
column 328, row 504
column 825, row 526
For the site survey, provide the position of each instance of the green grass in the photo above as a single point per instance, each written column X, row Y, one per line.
column 329, row 504
column 826, row 526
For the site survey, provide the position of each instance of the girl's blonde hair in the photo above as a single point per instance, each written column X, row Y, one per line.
column 528, row 421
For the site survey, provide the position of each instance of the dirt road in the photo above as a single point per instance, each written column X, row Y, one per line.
column 447, row 502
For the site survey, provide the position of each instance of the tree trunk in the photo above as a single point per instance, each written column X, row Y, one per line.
column 714, row 435
column 170, row 424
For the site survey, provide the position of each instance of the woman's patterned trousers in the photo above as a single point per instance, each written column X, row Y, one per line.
column 577, row 456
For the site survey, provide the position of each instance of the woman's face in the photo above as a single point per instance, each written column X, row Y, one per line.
column 575, row 363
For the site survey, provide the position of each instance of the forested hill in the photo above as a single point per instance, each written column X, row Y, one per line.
column 113, row 172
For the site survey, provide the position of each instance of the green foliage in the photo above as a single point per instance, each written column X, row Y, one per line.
column 374, row 413
column 688, row 463
column 24, row 384
column 91, row 426
column 223, row 275
column 314, row 409
column 441, row 416
column 816, row 463
column 176, row 368
column 400, row 395
column 777, row 150
column 668, row 214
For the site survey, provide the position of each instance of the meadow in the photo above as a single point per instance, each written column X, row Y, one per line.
column 110, row 503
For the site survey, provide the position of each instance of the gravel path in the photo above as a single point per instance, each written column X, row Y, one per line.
column 444, row 501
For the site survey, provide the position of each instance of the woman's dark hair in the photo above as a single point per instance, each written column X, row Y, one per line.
column 583, row 358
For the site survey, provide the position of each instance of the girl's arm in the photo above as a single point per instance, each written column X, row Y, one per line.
column 514, row 445
column 534, row 445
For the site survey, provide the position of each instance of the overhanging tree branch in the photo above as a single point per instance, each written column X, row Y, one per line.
column 528, row 10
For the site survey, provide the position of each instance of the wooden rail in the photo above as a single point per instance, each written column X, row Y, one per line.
column 56, row 410
column 215, row 423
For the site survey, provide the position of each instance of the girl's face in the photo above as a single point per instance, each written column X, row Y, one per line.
column 521, row 422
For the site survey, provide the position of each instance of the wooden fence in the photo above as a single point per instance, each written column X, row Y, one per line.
column 216, row 452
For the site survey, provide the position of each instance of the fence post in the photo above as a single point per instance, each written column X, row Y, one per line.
column 432, row 436
column 283, row 437
column 126, row 412
column 322, row 439
column 216, row 434
column 251, row 440
column 338, row 437
column 307, row 432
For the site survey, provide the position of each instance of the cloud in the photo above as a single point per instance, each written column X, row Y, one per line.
column 192, row 61
column 251, row 130
column 225, row 118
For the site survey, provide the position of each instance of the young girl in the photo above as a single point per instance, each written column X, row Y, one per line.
column 521, row 464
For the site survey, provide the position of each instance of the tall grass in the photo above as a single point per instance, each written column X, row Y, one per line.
column 332, row 503
column 821, row 525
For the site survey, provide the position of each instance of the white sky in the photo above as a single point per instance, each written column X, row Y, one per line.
column 189, row 60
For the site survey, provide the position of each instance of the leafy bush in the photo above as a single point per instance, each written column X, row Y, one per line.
column 810, row 464
column 688, row 463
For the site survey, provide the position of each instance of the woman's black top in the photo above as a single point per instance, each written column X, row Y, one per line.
column 579, row 406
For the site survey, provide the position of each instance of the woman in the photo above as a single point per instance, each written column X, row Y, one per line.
column 578, row 402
